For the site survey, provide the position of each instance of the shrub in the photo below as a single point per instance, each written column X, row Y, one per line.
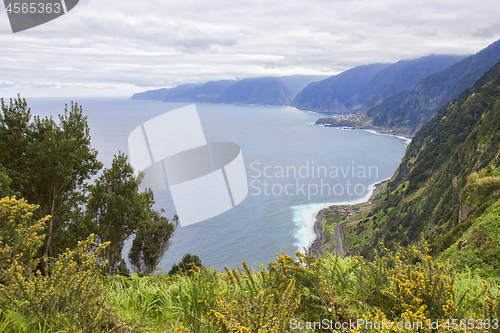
column 257, row 314
column 21, row 235
column 70, row 296
column 418, row 285
column 189, row 264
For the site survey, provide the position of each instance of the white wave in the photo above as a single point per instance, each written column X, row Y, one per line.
column 304, row 216
column 404, row 138
column 396, row 136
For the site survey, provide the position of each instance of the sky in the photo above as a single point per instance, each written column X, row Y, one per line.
column 120, row 47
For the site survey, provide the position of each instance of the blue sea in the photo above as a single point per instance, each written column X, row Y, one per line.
column 294, row 168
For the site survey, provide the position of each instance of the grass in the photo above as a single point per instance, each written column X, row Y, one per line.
column 75, row 296
column 341, row 288
column 394, row 287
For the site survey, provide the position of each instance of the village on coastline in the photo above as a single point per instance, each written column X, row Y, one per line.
column 359, row 120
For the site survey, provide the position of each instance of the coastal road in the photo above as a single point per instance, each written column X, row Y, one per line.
column 339, row 234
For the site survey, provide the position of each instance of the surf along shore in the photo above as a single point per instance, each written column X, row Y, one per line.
column 345, row 213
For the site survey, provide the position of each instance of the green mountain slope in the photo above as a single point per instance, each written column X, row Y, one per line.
column 479, row 247
column 425, row 197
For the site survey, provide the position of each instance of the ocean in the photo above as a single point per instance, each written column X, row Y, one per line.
column 294, row 168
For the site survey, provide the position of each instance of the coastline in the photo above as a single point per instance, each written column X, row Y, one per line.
column 372, row 130
column 314, row 247
column 397, row 135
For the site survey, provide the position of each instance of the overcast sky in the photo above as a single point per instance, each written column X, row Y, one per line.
column 119, row 47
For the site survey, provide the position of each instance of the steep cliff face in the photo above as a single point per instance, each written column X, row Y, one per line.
column 367, row 85
column 431, row 195
column 339, row 93
column 478, row 248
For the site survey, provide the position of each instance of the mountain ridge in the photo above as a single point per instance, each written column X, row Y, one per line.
column 421, row 103
column 369, row 84
column 347, row 91
column 261, row 90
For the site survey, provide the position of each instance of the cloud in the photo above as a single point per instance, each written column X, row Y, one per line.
column 126, row 45
column 6, row 84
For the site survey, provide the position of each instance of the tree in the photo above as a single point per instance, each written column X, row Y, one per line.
column 15, row 134
column 48, row 163
column 151, row 242
column 188, row 265
column 116, row 209
column 5, row 184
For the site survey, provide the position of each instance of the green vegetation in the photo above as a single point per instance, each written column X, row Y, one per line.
column 188, row 265
column 52, row 266
column 116, row 210
column 336, row 214
column 61, row 268
column 68, row 297
column 150, row 243
column 403, row 286
column 48, row 163
column 479, row 248
column 5, row 185
column 407, row 285
column 429, row 190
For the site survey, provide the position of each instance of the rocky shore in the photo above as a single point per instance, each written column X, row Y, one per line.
column 318, row 226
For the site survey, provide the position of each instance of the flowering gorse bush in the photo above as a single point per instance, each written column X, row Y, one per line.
column 420, row 285
column 21, row 235
column 258, row 314
column 70, row 294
